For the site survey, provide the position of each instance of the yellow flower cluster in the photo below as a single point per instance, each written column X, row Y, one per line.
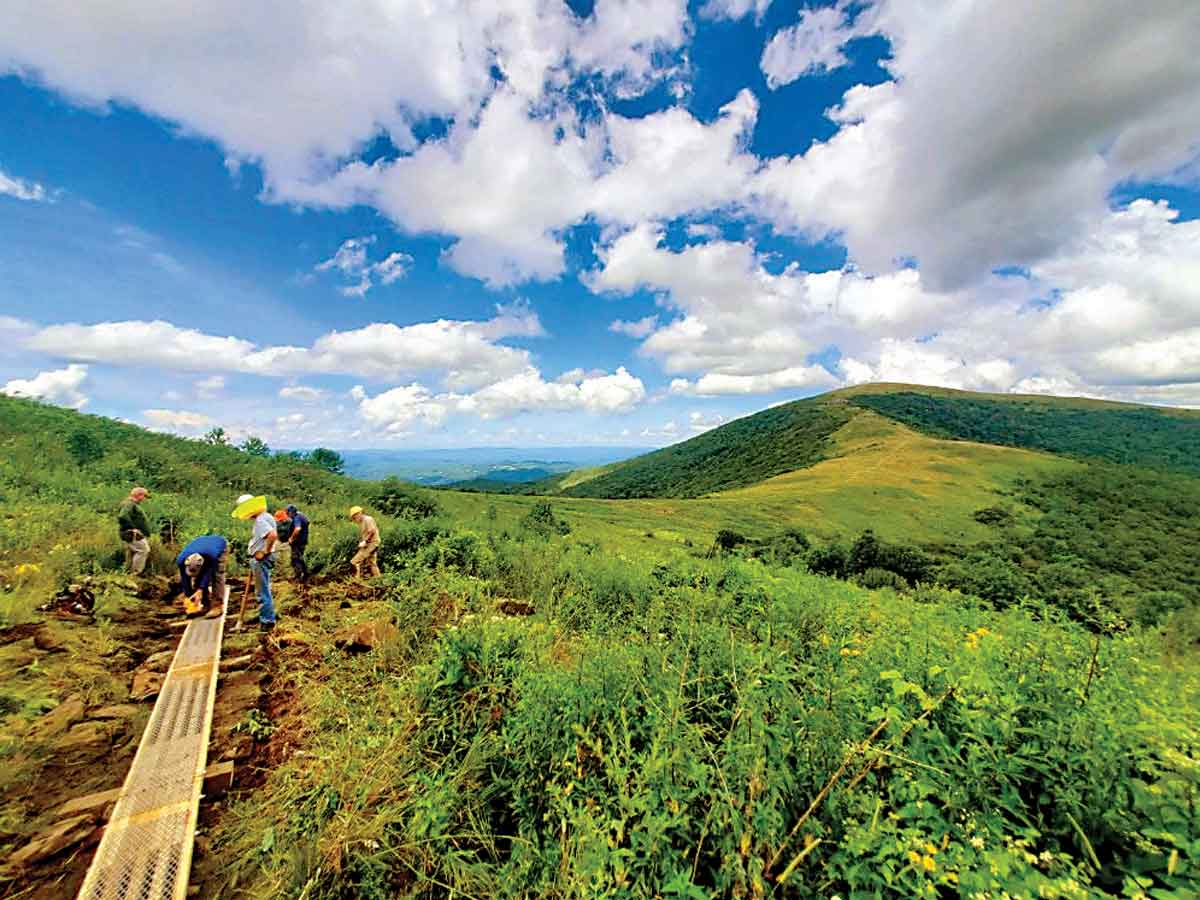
column 974, row 637
column 26, row 569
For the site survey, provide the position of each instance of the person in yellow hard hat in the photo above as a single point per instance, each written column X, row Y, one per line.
column 368, row 545
column 261, row 551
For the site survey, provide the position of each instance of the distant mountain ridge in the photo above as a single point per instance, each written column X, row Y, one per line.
column 444, row 467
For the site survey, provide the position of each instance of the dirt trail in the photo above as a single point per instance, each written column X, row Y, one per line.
column 105, row 679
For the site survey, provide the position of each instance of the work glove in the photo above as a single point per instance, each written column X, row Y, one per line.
column 260, row 555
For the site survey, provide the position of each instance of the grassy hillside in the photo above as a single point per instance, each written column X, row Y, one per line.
column 63, row 475
column 905, row 485
column 1120, row 433
column 749, row 450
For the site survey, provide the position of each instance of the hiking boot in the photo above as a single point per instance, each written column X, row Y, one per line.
column 266, row 627
column 213, row 613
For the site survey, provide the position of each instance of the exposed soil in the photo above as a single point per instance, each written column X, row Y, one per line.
column 85, row 744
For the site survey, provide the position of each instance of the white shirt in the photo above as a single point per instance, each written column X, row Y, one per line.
column 264, row 524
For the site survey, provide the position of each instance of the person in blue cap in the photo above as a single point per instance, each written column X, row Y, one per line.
column 202, row 565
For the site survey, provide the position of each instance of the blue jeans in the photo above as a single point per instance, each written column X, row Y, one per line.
column 262, row 584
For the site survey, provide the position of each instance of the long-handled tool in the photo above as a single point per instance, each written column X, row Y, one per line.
column 241, row 620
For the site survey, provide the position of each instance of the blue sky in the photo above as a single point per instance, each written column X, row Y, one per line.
column 620, row 222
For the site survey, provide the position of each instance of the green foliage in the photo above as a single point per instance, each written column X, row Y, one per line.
column 403, row 500
column 542, row 520
column 788, row 547
column 84, row 447
column 832, row 560
column 988, row 575
column 255, row 446
column 329, row 460
column 875, row 578
column 727, row 539
column 256, row 724
column 665, row 731
column 216, row 437
column 993, row 515
column 746, row 451
column 1119, row 434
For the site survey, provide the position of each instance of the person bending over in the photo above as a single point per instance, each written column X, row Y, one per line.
column 202, row 564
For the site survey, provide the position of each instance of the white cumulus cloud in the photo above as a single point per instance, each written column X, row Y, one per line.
column 302, row 393
column 59, row 386
column 1000, row 135
column 360, row 273
column 636, row 329
column 814, row 44
column 465, row 353
column 180, row 420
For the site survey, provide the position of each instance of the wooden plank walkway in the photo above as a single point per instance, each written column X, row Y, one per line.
column 146, row 851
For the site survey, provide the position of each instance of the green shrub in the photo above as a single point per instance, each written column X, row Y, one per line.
column 397, row 498
column 727, row 539
column 541, row 520
column 881, row 578
column 832, row 560
column 789, row 547
column 84, row 447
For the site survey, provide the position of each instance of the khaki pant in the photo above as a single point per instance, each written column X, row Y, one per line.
column 136, row 553
column 367, row 558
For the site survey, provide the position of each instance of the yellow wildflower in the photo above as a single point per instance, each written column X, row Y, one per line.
column 929, row 863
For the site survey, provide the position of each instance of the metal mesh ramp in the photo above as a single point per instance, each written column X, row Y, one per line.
column 146, row 851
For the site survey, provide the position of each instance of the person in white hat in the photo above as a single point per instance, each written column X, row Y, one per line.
column 261, row 551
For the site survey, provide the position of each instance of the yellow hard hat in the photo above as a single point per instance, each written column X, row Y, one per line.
column 249, row 506
column 354, row 511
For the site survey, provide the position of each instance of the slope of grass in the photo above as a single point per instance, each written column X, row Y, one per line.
column 743, row 452
column 906, row 486
column 903, row 484
column 1135, row 435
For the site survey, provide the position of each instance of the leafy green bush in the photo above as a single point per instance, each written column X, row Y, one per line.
column 789, row 547
column 541, row 520
column 881, row 578
column 832, row 560
column 727, row 539
column 84, row 447
column 833, row 742
column 402, row 500
column 986, row 575
column 993, row 515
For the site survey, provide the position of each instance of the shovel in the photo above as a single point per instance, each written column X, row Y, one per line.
column 240, row 623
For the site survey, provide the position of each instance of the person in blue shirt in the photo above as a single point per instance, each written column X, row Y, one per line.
column 298, row 542
column 202, row 564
